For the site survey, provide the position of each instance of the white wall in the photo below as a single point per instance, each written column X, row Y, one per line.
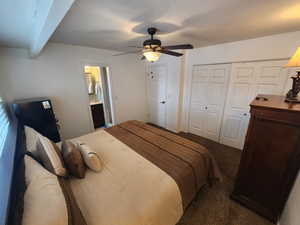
column 291, row 215
column 280, row 46
column 4, row 85
column 173, row 65
column 58, row 73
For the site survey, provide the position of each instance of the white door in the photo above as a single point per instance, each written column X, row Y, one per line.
column 208, row 93
column 198, row 99
column 247, row 80
column 157, row 94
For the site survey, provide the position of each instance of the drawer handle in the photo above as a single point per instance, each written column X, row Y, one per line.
column 261, row 98
column 245, row 114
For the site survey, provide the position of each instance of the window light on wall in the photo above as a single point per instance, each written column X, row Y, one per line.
column 4, row 122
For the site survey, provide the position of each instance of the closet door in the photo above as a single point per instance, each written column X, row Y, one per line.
column 246, row 82
column 198, row 100
column 236, row 113
column 209, row 87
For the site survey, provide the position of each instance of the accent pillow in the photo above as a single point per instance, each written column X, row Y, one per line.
column 44, row 200
column 90, row 157
column 50, row 156
column 47, row 192
column 73, row 159
column 31, row 139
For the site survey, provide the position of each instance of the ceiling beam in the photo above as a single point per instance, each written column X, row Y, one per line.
column 48, row 15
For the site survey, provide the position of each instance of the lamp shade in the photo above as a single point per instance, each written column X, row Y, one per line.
column 295, row 60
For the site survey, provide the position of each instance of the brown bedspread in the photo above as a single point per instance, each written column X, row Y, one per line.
column 187, row 162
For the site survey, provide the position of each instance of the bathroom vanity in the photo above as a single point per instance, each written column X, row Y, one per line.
column 97, row 114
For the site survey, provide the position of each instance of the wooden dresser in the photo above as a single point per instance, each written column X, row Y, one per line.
column 271, row 156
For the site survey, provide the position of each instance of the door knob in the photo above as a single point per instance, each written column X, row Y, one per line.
column 205, row 107
column 163, row 102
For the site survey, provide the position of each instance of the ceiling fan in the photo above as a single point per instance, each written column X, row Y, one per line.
column 152, row 48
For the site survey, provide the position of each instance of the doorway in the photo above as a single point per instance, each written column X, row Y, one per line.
column 98, row 86
column 157, row 94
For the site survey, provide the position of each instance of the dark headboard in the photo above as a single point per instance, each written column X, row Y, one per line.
column 10, row 162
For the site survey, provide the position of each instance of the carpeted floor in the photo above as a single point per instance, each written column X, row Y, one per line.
column 213, row 205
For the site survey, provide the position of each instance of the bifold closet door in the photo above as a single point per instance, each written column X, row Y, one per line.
column 208, row 93
column 247, row 80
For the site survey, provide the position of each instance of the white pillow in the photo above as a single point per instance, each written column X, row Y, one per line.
column 44, row 201
column 90, row 157
column 31, row 139
column 50, row 155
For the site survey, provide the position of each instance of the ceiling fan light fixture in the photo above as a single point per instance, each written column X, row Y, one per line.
column 151, row 55
column 152, row 48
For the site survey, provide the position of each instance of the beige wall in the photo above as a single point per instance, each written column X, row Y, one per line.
column 58, row 74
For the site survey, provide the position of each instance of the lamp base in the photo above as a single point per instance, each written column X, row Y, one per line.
column 292, row 100
column 292, row 95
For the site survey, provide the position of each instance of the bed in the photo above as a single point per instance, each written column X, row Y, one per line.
column 149, row 176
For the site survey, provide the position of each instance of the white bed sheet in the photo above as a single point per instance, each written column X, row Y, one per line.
column 129, row 190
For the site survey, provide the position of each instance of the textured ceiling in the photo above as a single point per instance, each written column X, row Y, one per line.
column 116, row 24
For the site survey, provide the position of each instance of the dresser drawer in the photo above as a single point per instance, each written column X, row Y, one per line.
column 283, row 116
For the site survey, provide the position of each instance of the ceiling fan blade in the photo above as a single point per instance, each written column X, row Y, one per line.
column 129, row 52
column 133, row 46
column 173, row 47
column 143, row 57
column 170, row 52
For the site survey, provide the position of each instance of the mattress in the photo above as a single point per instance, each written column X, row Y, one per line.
column 149, row 177
column 130, row 190
column 188, row 163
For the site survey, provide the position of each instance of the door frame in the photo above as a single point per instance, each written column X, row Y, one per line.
column 111, row 88
column 166, row 89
